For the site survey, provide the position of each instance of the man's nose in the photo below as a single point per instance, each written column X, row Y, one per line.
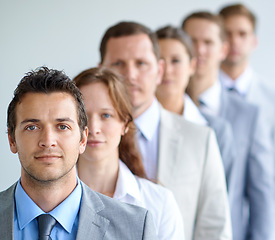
column 48, row 138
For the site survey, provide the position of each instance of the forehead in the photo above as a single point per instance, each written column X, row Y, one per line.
column 171, row 45
column 95, row 94
column 238, row 22
column 44, row 106
column 202, row 28
column 128, row 47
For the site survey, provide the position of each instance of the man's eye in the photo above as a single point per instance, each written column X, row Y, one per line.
column 141, row 63
column 63, row 127
column 31, row 127
column 117, row 64
column 175, row 60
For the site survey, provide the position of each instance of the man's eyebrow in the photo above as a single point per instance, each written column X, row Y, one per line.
column 33, row 120
column 30, row 120
column 64, row 120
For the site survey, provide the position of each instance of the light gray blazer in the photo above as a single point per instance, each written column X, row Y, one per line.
column 100, row 217
column 225, row 139
column 251, row 208
column 262, row 94
column 189, row 164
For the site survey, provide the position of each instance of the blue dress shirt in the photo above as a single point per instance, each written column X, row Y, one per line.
column 66, row 215
column 148, row 136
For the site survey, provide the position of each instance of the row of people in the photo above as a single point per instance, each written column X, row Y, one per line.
column 201, row 172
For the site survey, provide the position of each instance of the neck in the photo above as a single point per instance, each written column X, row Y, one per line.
column 101, row 176
column 172, row 102
column 198, row 85
column 139, row 110
column 48, row 195
column 234, row 70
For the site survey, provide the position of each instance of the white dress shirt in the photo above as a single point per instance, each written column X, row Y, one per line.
column 210, row 99
column 191, row 112
column 148, row 135
column 157, row 199
column 240, row 84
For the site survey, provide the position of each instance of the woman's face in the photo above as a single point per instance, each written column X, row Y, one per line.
column 178, row 67
column 105, row 126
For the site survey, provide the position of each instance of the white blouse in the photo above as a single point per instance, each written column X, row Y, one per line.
column 157, row 199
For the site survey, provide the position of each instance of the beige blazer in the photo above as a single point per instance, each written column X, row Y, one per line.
column 190, row 165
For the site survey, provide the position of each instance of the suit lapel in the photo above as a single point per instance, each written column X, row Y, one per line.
column 7, row 210
column 169, row 143
column 90, row 222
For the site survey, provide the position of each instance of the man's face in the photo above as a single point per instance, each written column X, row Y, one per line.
column 47, row 136
column 241, row 38
column 209, row 48
column 133, row 57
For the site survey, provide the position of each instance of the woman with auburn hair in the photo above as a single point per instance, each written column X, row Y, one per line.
column 111, row 163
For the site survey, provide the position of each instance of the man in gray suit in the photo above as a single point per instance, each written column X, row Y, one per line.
column 47, row 127
column 252, row 200
column 181, row 155
column 236, row 72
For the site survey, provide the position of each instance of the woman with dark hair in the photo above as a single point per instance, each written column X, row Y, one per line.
column 177, row 51
column 111, row 163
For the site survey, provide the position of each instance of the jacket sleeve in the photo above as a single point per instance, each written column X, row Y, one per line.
column 149, row 231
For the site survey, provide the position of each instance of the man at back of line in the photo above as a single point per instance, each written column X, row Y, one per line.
column 236, row 72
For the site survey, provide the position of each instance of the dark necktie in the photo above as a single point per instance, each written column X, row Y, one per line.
column 45, row 225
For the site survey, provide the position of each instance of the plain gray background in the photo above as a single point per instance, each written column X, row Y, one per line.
column 65, row 35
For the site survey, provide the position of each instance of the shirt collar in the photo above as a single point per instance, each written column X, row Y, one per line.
column 211, row 97
column 241, row 84
column 148, row 122
column 191, row 111
column 127, row 184
column 65, row 213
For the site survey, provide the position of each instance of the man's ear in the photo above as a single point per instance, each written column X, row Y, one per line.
column 83, row 141
column 12, row 143
column 161, row 67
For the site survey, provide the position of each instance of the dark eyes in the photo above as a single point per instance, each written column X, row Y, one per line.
column 175, row 60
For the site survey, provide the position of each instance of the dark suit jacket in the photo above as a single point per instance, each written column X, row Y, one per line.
column 100, row 217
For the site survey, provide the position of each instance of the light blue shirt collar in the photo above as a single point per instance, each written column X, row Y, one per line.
column 148, row 122
column 65, row 213
column 241, row 84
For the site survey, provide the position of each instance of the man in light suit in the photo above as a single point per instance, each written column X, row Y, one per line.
column 182, row 156
column 252, row 200
column 236, row 72
column 47, row 127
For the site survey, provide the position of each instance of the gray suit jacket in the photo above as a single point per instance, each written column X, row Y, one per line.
column 252, row 204
column 189, row 164
column 262, row 95
column 100, row 218
column 225, row 139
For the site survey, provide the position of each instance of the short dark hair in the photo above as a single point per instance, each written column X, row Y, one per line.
column 217, row 19
column 239, row 9
column 169, row 32
column 123, row 29
column 45, row 80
